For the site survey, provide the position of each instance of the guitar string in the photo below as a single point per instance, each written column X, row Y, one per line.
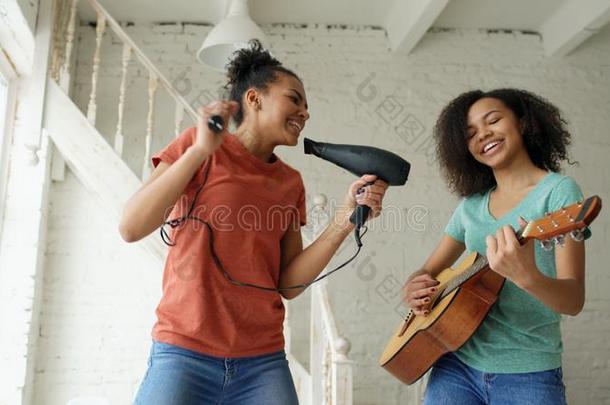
column 479, row 264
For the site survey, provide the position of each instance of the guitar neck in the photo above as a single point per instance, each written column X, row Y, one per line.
column 480, row 264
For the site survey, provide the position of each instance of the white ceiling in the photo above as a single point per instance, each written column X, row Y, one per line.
column 500, row 14
column 497, row 14
column 405, row 20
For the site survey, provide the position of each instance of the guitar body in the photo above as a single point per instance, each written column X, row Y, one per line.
column 451, row 322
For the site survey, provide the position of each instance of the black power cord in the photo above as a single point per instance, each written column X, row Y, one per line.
column 173, row 223
column 179, row 221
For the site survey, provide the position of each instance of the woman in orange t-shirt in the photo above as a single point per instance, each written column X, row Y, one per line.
column 236, row 213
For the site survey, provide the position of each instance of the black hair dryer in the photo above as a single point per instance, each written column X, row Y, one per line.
column 361, row 160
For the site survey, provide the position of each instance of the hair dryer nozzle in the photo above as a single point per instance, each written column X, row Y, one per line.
column 310, row 146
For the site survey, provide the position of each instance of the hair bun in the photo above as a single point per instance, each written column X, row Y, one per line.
column 251, row 67
column 248, row 59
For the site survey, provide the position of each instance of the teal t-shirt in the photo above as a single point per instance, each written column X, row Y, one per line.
column 520, row 333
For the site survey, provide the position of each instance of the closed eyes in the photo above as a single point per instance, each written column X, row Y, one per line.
column 296, row 97
column 472, row 132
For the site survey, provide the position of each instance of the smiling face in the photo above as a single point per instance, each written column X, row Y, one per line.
column 280, row 112
column 493, row 135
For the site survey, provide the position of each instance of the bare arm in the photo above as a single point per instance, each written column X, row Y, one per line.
column 564, row 294
column 444, row 255
column 148, row 208
column 421, row 284
column 303, row 266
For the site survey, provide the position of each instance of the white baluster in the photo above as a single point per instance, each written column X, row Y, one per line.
column 118, row 137
column 99, row 34
column 342, row 348
column 152, row 88
column 54, row 64
column 342, row 373
column 148, row 65
column 179, row 117
column 287, row 330
column 320, row 360
column 320, row 217
column 69, row 38
column 330, row 368
column 327, row 362
column 317, row 348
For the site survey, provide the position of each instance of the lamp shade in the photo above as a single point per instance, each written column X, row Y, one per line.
column 229, row 35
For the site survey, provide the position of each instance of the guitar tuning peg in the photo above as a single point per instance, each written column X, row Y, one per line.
column 547, row 245
column 577, row 235
column 560, row 240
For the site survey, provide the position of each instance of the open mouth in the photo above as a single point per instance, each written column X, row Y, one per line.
column 296, row 125
column 491, row 147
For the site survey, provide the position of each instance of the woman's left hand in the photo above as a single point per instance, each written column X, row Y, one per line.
column 509, row 258
column 371, row 193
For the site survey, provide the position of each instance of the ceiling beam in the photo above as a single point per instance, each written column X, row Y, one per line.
column 571, row 24
column 409, row 20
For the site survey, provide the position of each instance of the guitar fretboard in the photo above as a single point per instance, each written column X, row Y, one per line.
column 479, row 264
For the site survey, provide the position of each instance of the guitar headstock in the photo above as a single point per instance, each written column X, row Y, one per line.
column 574, row 219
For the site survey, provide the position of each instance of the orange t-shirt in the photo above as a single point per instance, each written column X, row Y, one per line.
column 249, row 204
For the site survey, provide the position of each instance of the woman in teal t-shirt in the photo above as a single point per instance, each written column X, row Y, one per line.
column 501, row 150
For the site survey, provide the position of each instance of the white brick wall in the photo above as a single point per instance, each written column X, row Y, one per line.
column 99, row 293
column 98, row 301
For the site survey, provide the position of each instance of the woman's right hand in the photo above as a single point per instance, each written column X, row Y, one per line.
column 419, row 289
column 207, row 141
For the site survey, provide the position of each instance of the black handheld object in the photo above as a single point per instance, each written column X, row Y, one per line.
column 216, row 123
column 361, row 160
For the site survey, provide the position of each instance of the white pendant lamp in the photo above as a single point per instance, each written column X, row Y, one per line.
column 229, row 35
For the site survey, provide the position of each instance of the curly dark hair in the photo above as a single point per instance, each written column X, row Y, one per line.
column 252, row 67
column 544, row 135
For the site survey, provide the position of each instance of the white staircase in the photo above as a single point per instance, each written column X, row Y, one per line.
column 85, row 151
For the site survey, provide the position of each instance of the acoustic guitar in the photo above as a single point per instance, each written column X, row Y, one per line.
column 466, row 293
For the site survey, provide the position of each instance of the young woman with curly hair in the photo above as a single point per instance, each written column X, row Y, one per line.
column 216, row 342
column 501, row 150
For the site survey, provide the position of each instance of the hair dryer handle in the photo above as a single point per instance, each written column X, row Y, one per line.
column 216, row 124
column 360, row 214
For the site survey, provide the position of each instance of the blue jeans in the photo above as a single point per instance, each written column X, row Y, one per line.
column 178, row 376
column 453, row 382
